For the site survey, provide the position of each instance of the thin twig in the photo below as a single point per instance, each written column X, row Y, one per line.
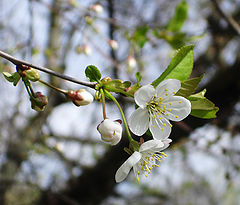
column 235, row 26
column 16, row 61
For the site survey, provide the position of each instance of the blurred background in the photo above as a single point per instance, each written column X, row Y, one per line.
column 56, row 157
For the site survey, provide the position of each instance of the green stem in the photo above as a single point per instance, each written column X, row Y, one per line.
column 53, row 87
column 103, row 104
column 122, row 114
column 28, row 91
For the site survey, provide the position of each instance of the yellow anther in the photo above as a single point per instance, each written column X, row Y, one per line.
column 146, row 175
column 166, row 94
column 160, row 98
column 138, row 172
column 169, row 110
column 154, row 96
column 154, row 116
column 150, row 168
column 153, row 126
column 176, row 116
column 157, row 165
column 153, row 165
column 153, row 155
column 166, row 89
column 174, row 93
column 164, row 124
column 167, row 114
column 180, row 102
column 164, row 107
column 159, row 118
column 138, row 179
column 156, row 103
column 170, row 125
column 170, row 103
column 114, row 133
column 146, row 104
column 162, row 129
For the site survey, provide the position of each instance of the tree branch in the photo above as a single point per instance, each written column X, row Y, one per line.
column 16, row 61
column 234, row 25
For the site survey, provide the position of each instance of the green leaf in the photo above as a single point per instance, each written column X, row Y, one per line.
column 13, row 78
column 140, row 36
column 206, row 114
column 179, row 17
column 202, row 107
column 93, row 74
column 189, row 86
column 138, row 77
column 180, row 66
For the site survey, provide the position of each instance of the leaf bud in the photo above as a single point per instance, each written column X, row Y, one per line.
column 80, row 97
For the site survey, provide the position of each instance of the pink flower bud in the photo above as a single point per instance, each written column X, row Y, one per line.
column 80, row 97
column 96, row 8
column 111, row 131
column 39, row 101
column 113, row 44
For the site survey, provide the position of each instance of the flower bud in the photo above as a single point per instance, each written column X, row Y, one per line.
column 80, row 97
column 111, row 131
column 96, row 8
column 31, row 74
column 113, row 44
column 39, row 101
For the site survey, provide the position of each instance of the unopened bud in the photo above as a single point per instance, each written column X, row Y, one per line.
column 39, row 101
column 113, row 44
column 111, row 131
column 80, row 97
column 31, row 74
column 131, row 61
column 96, row 8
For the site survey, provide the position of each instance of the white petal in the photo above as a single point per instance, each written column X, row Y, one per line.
column 160, row 128
column 144, row 95
column 139, row 121
column 123, row 171
column 168, row 88
column 177, row 108
column 166, row 143
column 150, row 145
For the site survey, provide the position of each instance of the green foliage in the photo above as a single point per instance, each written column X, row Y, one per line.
column 202, row 107
column 189, row 86
column 13, row 78
column 117, row 84
column 139, row 37
column 177, row 21
column 93, row 74
column 180, row 66
column 138, row 77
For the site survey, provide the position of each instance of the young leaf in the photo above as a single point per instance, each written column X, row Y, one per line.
column 189, row 86
column 14, row 78
column 180, row 66
column 138, row 77
column 140, row 36
column 93, row 74
column 202, row 107
column 179, row 17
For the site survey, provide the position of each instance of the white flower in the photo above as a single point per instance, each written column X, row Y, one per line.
column 142, row 161
column 96, row 8
column 80, row 97
column 157, row 107
column 111, row 131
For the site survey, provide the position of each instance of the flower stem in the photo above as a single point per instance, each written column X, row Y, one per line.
column 53, row 87
column 103, row 104
column 122, row 114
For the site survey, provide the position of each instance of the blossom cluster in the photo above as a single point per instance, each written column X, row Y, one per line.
column 155, row 108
